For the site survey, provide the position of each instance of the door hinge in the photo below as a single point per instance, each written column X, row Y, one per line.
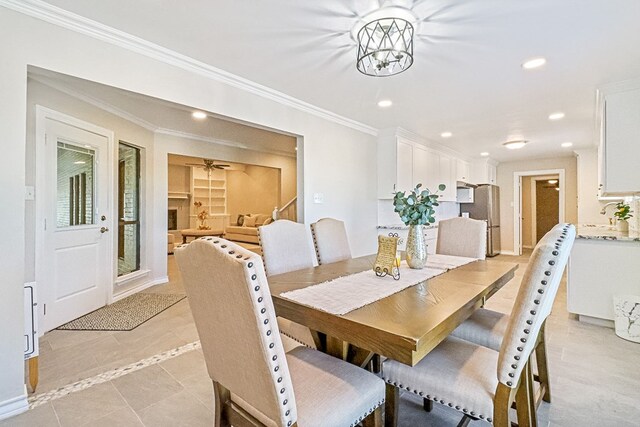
column 45, row 224
column 45, row 310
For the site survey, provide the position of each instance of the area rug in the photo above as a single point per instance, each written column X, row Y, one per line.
column 126, row 314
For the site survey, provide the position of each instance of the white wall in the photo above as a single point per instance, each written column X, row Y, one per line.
column 505, row 182
column 588, row 204
column 338, row 161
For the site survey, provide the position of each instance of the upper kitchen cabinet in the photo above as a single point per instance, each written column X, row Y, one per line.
column 403, row 163
column 483, row 171
column 619, row 149
column 463, row 171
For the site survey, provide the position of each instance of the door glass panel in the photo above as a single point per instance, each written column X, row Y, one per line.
column 75, row 189
column 128, row 209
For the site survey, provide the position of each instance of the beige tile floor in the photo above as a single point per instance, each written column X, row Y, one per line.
column 595, row 375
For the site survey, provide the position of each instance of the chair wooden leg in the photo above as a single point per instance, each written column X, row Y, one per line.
column 541, row 360
column 33, row 373
column 374, row 419
column 392, row 399
column 221, row 397
column 501, row 404
column 524, row 399
column 427, row 404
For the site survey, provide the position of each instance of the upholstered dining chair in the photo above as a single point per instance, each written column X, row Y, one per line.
column 255, row 382
column 462, row 237
column 330, row 240
column 462, row 375
column 487, row 327
column 286, row 246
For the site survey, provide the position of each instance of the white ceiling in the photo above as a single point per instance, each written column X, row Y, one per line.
column 164, row 116
column 466, row 77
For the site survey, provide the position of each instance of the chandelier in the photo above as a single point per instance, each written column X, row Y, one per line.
column 385, row 41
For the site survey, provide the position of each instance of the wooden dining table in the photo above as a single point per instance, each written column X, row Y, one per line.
column 404, row 326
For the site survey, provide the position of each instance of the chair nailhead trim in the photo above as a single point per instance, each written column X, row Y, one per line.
column 268, row 332
column 555, row 253
column 275, row 357
column 266, row 321
column 257, row 288
column 520, row 349
column 254, row 277
column 533, row 312
column 264, row 310
column 547, row 273
column 536, row 301
column 217, row 241
column 250, row 265
column 223, row 246
column 280, row 380
column 288, row 412
column 529, row 322
column 526, row 331
column 541, row 291
column 260, row 299
column 276, row 369
column 232, row 252
column 284, row 402
column 544, row 282
column 514, row 366
column 509, row 383
column 271, row 345
column 282, row 390
column 516, row 357
column 552, row 262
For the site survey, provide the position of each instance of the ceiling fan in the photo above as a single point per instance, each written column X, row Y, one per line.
column 209, row 165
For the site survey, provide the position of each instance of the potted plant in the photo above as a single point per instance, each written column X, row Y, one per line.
column 417, row 209
column 622, row 214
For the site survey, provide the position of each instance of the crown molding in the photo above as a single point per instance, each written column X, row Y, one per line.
column 412, row 136
column 125, row 115
column 232, row 144
column 71, row 21
column 96, row 103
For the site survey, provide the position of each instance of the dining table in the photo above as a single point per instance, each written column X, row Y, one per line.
column 404, row 326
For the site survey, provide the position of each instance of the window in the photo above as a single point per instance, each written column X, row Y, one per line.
column 75, row 185
column 128, row 209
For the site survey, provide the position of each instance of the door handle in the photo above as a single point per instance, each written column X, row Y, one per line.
column 104, row 229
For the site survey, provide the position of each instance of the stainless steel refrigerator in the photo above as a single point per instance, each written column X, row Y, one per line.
column 486, row 207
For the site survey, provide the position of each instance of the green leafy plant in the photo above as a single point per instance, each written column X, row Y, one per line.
column 623, row 211
column 417, row 207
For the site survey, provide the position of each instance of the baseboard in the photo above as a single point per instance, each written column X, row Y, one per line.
column 596, row 321
column 14, row 406
column 141, row 287
column 509, row 253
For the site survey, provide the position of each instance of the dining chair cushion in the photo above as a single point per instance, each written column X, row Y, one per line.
column 457, row 373
column 286, row 246
column 330, row 240
column 462, row 237
column 329, row 391
column 484, row 327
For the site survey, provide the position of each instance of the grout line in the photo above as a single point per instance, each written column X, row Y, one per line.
column 42, row 398
column 128, row 405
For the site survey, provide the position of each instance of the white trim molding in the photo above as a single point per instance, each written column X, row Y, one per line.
column 517, row 202
column 14, row 406
column 140, row 287
column 80, row 24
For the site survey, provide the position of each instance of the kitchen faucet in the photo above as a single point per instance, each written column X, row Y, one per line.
column 604, row 208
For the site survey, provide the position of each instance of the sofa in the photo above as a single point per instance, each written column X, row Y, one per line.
column 246, row 228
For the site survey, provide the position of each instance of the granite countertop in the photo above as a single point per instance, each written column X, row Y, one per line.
column 604, row 232
column 403, row 227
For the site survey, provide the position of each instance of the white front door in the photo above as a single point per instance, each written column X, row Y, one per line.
column 76, row 258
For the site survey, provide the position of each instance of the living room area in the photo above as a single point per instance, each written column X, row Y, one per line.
column 213, row 197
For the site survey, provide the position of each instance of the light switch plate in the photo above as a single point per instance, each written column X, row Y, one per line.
column 318, row 198
column 29, row 193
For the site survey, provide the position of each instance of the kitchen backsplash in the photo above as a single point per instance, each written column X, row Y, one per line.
column 386, row 215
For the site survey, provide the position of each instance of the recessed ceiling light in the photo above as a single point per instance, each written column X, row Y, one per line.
column 515, row 145
column 199, row 115
column 566, row 144
column 79, row 162
column 556, row 116
column 553, row 181
column 533, row 63
column 385, row 103
column 446, row 134
column 484, row 154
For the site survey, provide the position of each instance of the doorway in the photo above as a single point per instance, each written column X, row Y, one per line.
column 539, row 205
column 73, row 261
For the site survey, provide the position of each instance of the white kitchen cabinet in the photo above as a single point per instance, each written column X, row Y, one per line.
column 404, row 172
column 403, row 163
column 599, row 269
column 463, row 170
column 619, row 147
column 447, row 176
column 484, row 171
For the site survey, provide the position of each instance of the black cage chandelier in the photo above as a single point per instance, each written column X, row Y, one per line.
column 385, row 47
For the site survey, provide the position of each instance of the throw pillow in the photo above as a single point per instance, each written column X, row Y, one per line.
column 249, row 221
column 240, row 220
column 267, row 221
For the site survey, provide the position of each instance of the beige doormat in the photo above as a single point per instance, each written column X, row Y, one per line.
column 126, row 314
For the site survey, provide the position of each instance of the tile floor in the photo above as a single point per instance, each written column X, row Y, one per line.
column 595, row 375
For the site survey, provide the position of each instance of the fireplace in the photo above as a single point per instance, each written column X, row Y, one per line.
column 172, row 219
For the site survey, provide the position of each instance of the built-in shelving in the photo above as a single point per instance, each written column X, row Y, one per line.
column 210, row 189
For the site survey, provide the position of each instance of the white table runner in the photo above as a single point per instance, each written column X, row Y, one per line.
column 347, row 293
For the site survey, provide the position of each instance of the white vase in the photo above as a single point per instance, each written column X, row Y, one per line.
column 416, row 247
column 622, row 226
column 626, row 309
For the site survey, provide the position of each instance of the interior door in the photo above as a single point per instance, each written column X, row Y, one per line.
column 77, row 261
